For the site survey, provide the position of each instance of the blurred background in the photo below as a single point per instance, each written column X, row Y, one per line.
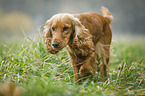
column 25, row 17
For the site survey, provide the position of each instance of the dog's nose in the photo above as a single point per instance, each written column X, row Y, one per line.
column 55, row 44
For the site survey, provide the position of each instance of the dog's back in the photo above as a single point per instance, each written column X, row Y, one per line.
column 96, row 23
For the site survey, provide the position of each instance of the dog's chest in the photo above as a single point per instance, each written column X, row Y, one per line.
column 79, row 53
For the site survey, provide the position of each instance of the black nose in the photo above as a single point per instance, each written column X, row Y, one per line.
column 55, row 44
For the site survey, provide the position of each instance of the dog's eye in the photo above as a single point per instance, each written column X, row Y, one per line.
column 53, row 28
column 65, row 28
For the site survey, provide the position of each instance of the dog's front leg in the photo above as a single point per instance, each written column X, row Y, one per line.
column 76, row 68
column 89, row 67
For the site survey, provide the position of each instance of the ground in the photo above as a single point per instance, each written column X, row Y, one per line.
column 38, row 73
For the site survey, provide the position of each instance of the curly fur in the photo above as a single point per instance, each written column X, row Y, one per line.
column 87, row 36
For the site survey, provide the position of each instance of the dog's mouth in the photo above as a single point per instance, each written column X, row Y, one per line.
column 55, row 50
column 52, row 50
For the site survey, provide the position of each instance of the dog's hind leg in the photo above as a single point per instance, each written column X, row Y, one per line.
column 105, row 60
column 105, row 42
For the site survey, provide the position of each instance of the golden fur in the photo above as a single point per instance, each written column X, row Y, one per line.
column 86, row 36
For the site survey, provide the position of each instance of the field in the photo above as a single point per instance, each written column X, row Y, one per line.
column 38, row 73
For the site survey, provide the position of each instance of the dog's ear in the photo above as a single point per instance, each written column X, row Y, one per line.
column 83, row 38
column 47, row 30
column 47, row 35
column 80, row 30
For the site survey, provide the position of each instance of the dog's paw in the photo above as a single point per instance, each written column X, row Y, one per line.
column 86, row 71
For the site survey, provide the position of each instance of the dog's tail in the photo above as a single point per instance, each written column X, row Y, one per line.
column 107, row 14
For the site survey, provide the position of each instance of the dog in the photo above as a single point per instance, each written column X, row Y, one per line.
column 86, row 36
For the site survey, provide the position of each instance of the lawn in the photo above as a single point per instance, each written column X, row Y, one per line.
column 38, row 73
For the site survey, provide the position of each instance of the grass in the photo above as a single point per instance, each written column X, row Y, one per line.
column 38, row 73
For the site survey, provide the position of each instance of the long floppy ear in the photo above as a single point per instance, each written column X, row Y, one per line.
column 80, row 31
column 47, row 35
column 47, row 30
column 83, row 38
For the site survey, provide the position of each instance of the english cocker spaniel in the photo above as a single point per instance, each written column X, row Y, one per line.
column 86, row 36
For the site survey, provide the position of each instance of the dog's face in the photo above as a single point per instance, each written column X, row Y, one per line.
column 57, row 33
column 61, row 31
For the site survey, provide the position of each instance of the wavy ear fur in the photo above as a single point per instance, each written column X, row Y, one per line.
column 80, row 30
column 47, row 35
column 83, row 38
column 47, row 29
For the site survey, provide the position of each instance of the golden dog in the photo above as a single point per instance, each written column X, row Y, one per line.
column 86, row 36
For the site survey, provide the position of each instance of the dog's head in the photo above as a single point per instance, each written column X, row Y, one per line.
column 59, row 30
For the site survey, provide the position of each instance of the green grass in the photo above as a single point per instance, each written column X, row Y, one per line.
column 39, row 73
